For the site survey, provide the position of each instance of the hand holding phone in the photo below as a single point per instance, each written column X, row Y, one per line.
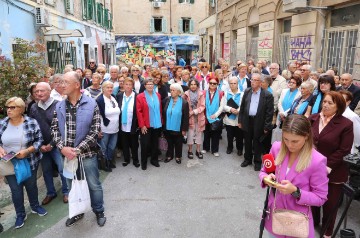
column 270, row 182
column 9, row 156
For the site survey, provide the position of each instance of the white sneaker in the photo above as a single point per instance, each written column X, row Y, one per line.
column 203, row 152
column 216, row 154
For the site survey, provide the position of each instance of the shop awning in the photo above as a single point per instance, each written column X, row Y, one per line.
column 64, row 33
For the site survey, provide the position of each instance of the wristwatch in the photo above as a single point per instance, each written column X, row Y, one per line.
column 297, row 193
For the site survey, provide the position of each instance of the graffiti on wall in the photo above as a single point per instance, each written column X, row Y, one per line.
column 135, row 48
column 265, row 43
column 301, row 48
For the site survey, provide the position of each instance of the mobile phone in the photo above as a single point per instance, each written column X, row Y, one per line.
column 270, row 181
column 9, row 156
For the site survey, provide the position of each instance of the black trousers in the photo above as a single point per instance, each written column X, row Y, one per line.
column 150, row 143
column 212, row 137
column 130, row 142
column 252, row 143
column 175, row 142
column 237, row 133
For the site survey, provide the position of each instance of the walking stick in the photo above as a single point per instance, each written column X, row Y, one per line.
column 262, row 223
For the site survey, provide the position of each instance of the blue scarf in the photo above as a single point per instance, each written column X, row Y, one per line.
column 270, row 90
column 125, row 110
column 211, row 108
column 241, row 82
column 220, row 84
column 316, row 106
column 173, row 115
column 236, row 98
column 302, row 108
column 155, row 88
column 288, row 99
column 154, row 110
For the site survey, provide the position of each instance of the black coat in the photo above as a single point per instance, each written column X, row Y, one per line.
column 184, row 117
column 134, row 125
column 264, row 114
column 355, row 90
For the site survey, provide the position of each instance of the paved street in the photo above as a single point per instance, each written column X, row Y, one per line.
column 213, row 197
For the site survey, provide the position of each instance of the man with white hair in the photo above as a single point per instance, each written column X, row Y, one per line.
column 305, row 75
column 114, row 78
column 58, row 91
column 43, row 112
column 278, row 84
column 347, row 84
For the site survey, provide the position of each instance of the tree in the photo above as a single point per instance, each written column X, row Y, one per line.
column 28, row 65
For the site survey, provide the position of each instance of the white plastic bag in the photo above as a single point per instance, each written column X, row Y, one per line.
column 79, row 196
column 70, row 167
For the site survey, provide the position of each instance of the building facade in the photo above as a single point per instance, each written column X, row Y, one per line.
column 321, row 32
column 73, row 31
column 145, row 29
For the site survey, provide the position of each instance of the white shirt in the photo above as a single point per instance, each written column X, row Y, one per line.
column 112, row 114
column 137, row 85
column 55, row 95
column 127, row 127
column 352, row 116
column 45, row 105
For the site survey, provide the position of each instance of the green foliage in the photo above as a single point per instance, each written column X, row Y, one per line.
column 28, row 65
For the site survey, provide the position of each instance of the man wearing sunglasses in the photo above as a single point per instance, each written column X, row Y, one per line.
column 92, row 65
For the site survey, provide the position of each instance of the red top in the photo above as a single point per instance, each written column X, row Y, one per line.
column 142, row 110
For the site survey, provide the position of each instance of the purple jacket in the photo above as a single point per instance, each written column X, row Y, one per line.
column 313, row 183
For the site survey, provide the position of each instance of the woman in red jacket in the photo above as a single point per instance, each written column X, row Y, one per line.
column 149, row 112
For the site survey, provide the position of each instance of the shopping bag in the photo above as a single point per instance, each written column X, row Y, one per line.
column 22, row 169
column 70, row 167
column 79, row 196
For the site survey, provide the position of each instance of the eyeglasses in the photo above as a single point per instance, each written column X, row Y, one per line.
column 112, row 103
column 92, row 62
column 101, row 72
column 291, row 82
column 211, row 83
column 149, row 84
column 302, row 70
column 134, row 70
column 204, row 67
column 11, row 108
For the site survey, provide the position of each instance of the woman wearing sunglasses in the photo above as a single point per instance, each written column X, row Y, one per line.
column 110, row 112
column 204, row 75
column 213, row 110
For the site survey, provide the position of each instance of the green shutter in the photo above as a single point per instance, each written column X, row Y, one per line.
column 163, row 25
column 90, row 9
column 100, row 12
column 84, row 9
column 192, row 1
column 180, row 26
column 181, row 1
column 191, row 26
column 152, row 25
column 110, row 21
column 106, row 18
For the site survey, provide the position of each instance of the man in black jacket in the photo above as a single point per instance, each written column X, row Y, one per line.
column 255, row 119
column 347, row 84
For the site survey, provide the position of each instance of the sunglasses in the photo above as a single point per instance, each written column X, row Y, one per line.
column 213, row 83
column 204, row 67
column 113, row 104
column 11, row 107
column 101, row 72
column 92, row 62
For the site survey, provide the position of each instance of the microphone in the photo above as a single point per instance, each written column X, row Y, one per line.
column 269, row 163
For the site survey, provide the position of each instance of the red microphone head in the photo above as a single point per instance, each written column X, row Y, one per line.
column 269, row 163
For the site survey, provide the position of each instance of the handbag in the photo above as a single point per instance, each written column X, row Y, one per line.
column 216, row 125
column 79, row 195
column 6, row 168
column 289, row 222
column 22, row 169
column 163, row 145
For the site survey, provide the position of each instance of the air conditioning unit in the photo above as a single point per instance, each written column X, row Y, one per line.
column 156, row 4
column 295, row 6
column 41, row 16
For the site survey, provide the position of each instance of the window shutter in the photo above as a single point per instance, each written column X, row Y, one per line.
column 181, row 1
column 69, row 6
column 84, row 9
column 110, row 21
column 163, row 25
column 99, row 14
column 106, row 18
column 180, row 26
column 191, row 26
column 50, row 2
column 89, row 9
column 152, row 25
column 192, row 1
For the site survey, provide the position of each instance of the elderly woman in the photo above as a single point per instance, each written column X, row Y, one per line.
column 225, row 68
column 22, row 135
column 213, row 110
column 196, row 102
column 124, row 71
column 299, row 106
column 231, row 103
column 326, row 84
column 288, row 96
column 158, row 85
column 148, row 111
column 299, row 170
column 135, row 73
column 333, row 137
column 176, row 122
column 109, row 111
column 204, row 75
column 185, row 77
column 223, row 82
column 95, row 89
column 128, row 121
column 86, row 81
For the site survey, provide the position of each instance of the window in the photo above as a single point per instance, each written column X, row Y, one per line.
column 69, row 6
column 89, row 9
column 284, row 42
column 99, row 13
column 187, row 1
column 158, row 24
column 186, row 25
column 253, row 46
column 50, row 2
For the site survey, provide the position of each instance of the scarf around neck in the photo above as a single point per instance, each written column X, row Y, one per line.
column 288, row 99
column 212, row 107
column 154, row 109
column 173, row 115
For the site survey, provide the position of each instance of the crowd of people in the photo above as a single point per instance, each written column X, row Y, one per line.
column 89, row 113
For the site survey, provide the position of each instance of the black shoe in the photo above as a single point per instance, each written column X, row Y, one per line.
column 257, row 167
column 71, row 221
column 112, row 164
column 144, row 166
column 101, row 219
column 190, row 155
column 239, row 153
column 178, row 160
column 167, row 160
column 107, row 166
column 125, row 164
column 136, row 164
column 199, row 155
column 245, row 163
column 156, row 164
column 229, row 151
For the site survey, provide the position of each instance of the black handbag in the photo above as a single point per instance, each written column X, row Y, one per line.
column 216, row 125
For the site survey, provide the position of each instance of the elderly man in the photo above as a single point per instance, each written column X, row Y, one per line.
column 114, row 78
column 291, row 66
column 43, row 112
column 92, row 65
column 279, row 82
column 58, row 90
column 347, row 84
column 78, row 120
column 305, row 75
column 264, row 70
column 255, row 118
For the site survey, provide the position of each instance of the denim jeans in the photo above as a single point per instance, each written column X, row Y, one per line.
column 95, row 188
column 108, row 144
column 17, row 192
column 46, row 163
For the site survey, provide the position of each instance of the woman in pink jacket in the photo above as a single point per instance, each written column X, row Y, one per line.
column 300, row 173
column 196, row 101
